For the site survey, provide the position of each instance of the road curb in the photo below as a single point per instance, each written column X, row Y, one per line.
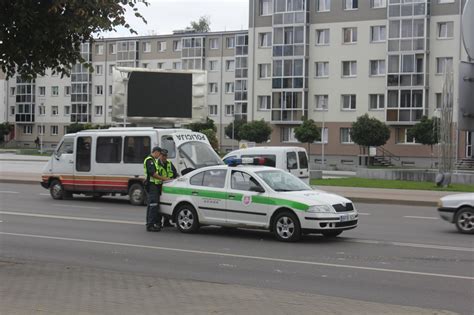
column 20, row 181
column 23, row 160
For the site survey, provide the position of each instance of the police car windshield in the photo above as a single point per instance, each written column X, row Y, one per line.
column 282, row 181
column 199, row 154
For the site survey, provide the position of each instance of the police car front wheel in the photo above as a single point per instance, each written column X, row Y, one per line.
column 186, row 219
column 286, row 227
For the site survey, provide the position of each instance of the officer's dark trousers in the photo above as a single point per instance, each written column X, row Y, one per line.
column 152, row 212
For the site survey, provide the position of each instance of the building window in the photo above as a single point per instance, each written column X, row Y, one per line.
column 346, row 136
column 378, row 34
column 212, row 110
column 177, row 45
column 42, row 91
column 443, row 64
column 99, row 69
column 212, row 65
column 145, row 65
column 67, row 90
column 111, row 69
column 439, row 100
column 322, row 69
column 99, row 49
column 324, row 133
column 177, row 65
column 12, row 91
column 445, row 30
column 376, row 101
column 351, row 4
column 402, row 136
column 160, row 65
column 323, row 5
column 212, row 88
column 229, row 87
column 12, row 110
column 41, row 130
column 348, row 102
column 349, row 35
column 265, row 40
column 27, row 129
column 54, row 130
column 161, row 46
column 264, row 102
column 67, row 110
column 54, row 110
column 229, row 110
column 349, row 68
column 113, row 49
column 146, row 47
column 230, row 42
column 265, row 7
column 322, row 37
column 264, row 71
column 98, row 110
column 229, row 65
column 321, row 102
column 288, row 134
column 375, row 4
column 99, row 90
column 377, row 67
column 42, row 110
column 55, row 90
column 110, row 90
column 214, row 43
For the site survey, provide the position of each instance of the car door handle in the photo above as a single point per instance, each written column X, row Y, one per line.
column 71, row 162
column 194, row 193
column 231, row 196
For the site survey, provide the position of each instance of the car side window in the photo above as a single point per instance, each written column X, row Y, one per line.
column 214, row 178
column 243, row 181
column 291, row 161
column 197, row 179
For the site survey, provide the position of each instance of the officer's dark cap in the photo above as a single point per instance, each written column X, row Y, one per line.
column 164, row 152
column 156, row 149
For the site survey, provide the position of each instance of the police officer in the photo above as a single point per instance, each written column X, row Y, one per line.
column 168, row 170
column 154, row 179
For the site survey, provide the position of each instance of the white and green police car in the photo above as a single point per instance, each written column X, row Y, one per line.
column 255, row 197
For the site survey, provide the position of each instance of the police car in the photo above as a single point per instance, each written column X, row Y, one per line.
column 250, row 196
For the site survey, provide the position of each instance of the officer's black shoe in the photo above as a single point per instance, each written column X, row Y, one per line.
column 153, row 228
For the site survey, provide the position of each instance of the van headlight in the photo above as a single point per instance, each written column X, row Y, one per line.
column 320, row 209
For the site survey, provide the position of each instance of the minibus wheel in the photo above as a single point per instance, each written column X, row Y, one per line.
column 56, row 189
column 136, row 194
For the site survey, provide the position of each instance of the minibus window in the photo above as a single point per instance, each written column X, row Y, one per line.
column 303, row 159
column 291, row 161
column 167, row 143
column 83, row 158
column 108, row 150
column 136, row 149
column 67, row 147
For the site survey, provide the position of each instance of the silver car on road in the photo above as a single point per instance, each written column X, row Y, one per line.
column 458, row 209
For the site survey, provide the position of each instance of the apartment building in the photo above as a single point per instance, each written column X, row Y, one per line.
column 3, row 101
column 329, row 60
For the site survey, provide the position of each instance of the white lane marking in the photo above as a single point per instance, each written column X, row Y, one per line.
column 417, row 217
column 36, row 215
column 72, row 206
column 441, row 247
column 363, row 213
column 8, row 192
column 44, row 194
column 281, row 260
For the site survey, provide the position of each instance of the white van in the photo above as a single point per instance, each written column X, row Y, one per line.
column 110, row 161
column 291, row 159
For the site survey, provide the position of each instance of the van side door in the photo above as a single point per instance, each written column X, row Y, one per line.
column 63, row 163
column 303, row 166
column 83, row 180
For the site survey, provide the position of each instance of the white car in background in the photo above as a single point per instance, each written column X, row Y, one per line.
column 255, row 197
column 458, row 209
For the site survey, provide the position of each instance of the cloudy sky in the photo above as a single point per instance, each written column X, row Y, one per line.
column 164, row 16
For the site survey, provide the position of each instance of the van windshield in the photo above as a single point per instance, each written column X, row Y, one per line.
column 200, row 154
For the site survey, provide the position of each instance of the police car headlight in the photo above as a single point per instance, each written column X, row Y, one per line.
column 320, row 209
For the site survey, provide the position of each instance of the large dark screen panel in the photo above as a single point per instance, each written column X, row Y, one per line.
column 157, row 94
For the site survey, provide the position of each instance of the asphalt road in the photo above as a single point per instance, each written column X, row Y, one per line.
column 398, row 255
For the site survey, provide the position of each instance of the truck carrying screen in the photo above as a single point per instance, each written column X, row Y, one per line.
column 160, row 94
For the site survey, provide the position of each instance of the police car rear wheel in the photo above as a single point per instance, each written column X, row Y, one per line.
column 136, row 194
column 286, row 227
column 186, row 219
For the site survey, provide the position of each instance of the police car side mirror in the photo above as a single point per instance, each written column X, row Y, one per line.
column 257, row 189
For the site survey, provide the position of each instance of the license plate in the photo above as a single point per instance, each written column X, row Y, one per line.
column 345, row 217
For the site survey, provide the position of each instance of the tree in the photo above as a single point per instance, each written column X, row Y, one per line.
column 232, row 130
column 257, row 131
column 47, row 34
column 307, row 132
column 369, row 132
column 5, row 129
column 212, row 137
column 426, row 132
column 199, row 126
column 203, row 25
